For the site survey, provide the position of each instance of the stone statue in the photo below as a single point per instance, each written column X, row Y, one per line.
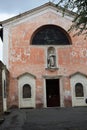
column 51, row 60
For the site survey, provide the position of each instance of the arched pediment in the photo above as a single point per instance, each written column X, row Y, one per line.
column 77, row 73
column 26, row 73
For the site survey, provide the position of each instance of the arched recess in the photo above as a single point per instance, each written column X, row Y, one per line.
column 51, row 57
column 26, row 90
column 50, row 35
column 79, row 90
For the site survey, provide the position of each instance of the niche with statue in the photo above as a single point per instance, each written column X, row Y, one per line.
column 51, row 58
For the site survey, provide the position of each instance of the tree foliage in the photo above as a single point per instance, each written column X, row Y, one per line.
column 80, row 20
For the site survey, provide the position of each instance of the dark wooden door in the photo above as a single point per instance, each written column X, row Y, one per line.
column 52, row 92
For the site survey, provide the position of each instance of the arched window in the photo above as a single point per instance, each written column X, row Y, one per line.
column 79, row 90
column 50, row 35
column 26, row 91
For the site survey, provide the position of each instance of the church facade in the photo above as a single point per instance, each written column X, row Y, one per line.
column 47, row 65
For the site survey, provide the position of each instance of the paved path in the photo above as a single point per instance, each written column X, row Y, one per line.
column 46, row 119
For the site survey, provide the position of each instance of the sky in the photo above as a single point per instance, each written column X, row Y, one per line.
column 10, row 8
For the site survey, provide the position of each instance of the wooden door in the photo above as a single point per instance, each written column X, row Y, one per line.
column 52, row 92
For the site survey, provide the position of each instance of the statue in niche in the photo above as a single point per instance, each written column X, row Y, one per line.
column 51, row 60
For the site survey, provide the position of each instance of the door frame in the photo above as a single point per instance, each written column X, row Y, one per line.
column 60, row 89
